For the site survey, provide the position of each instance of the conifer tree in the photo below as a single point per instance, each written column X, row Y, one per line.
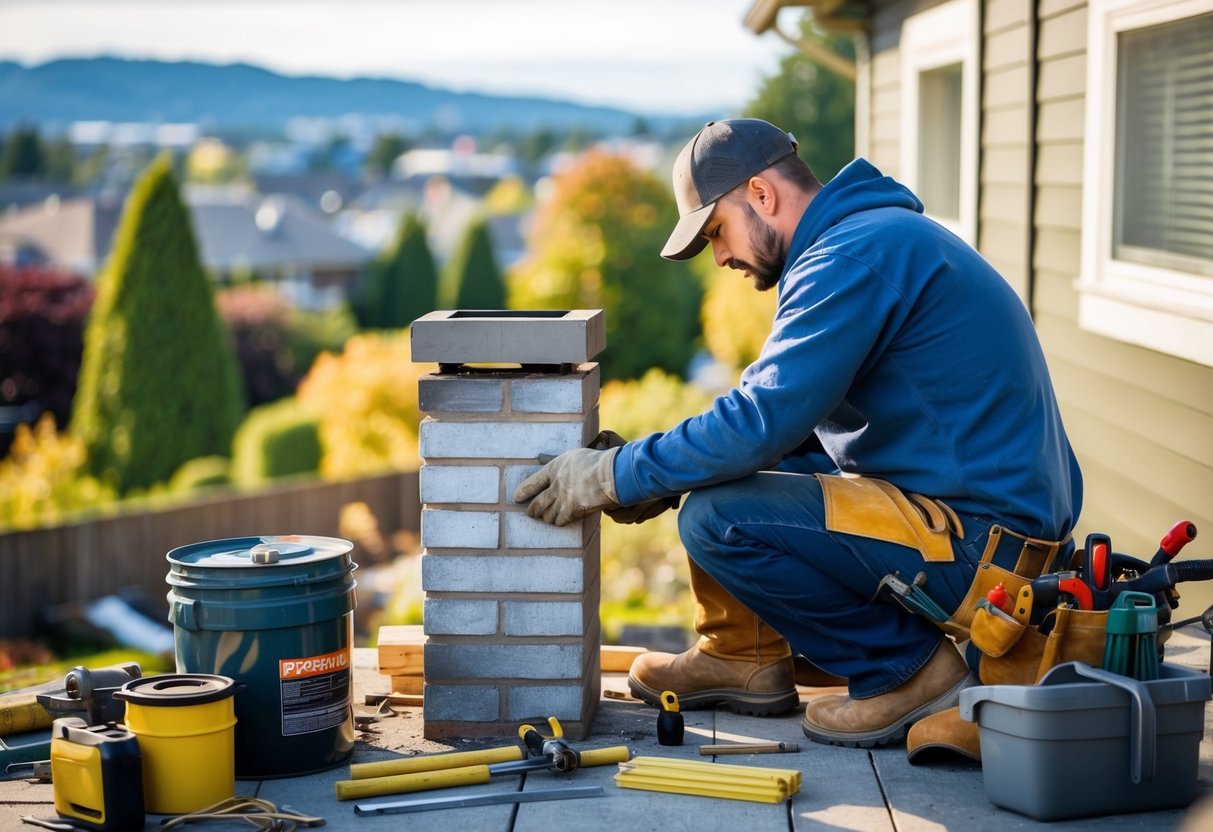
column 404, row 281
column 471, row 279
column 159, row 383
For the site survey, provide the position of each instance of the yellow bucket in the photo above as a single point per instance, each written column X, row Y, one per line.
column 185, row 724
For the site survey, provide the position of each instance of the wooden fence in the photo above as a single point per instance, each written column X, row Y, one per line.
column 81, row 561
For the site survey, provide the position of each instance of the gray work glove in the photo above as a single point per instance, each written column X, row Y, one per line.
column 571, row 486
column 639, row 512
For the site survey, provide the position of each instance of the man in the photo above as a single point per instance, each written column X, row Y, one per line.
column 899, row 364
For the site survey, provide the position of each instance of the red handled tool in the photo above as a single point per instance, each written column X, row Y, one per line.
column 1097, row 561
column 1048, row 589
column 1180, row 535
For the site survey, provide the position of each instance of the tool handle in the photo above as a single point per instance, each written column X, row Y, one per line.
column 604, row 756
column 418, row 782
column 435, row 762
column 1192, row 570
column 1180, row 535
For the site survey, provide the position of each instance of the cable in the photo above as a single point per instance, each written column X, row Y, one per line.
column 260, row 813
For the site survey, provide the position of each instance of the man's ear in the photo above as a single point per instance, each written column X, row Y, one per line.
column 761, row 194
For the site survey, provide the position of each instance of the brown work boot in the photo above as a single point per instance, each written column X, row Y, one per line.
column 841, row 720
column 809, row 675
column 739, row 662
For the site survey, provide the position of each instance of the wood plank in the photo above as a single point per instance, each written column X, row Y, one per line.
column 1059, row 163
column 1057, row 250
column 1060, row 120
column 886, row 68
column 1007, row 47
column 1003, row 14
column 1006, row 85
column 1008, row 203
column 1059, row 206
column 1005, row 164
column 1008, row 125
column 1052, row 8
column 618, row 658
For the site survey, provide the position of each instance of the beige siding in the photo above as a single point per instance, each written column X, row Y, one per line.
column 1005, row 144
column 1141, row 422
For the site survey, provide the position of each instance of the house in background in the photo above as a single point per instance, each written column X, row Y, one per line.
column 1071, row 142
column 278, row 238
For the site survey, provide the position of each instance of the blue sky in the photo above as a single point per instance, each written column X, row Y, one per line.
column 678, row 56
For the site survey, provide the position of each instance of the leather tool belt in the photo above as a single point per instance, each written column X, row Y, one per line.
column 875, row 509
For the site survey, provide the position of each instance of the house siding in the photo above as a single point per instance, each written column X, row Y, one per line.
column 1141, row 422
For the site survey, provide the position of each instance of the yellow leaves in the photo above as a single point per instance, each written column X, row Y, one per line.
column 40, row 480
column 736, row 318
column 366, row 401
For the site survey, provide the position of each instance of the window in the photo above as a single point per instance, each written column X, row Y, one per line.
column 1147, row 267
column 939, row 86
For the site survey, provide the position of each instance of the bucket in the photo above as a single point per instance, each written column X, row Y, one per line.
column 184, row 724
column 276, row 615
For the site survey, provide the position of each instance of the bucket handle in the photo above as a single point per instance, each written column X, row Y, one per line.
column 1142, row 731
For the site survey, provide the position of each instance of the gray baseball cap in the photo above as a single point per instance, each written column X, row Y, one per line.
column 722, row 155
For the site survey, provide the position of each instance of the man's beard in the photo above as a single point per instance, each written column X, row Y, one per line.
column 769, row 258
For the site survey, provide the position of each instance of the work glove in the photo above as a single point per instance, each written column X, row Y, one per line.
column 571, row 486
column 639, row 512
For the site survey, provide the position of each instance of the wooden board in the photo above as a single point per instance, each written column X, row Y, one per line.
column 618, row 658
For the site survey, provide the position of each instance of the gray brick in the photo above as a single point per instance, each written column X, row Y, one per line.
column 462, row 703
column 442, row 529
column 544, row 618
column 514, row 336
column 460, row 484
column 460, row 394
column 503, row 573
column 573, row 393
column 454, row 616
column 500, row 440
column 538, row 702
column 503, row 661
column 523, row 532
column 514, row 475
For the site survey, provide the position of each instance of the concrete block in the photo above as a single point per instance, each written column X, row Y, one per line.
column 509, row 336
column 460, row 484
column 523, row 532
column 543, row 618
column 461, row 393
column 501, row 440
column 460, row 617
column 442, row 529
column 505, row 573
column 550, row 393
column 538, row 702
column 503, row 661
column 473, row 703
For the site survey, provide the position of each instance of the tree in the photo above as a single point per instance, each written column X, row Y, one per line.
column 159, row 384
column 404, row 280
column 387, row 149
column 814, row 104
column 24, row 156
column 471, row 279
column 596, row 244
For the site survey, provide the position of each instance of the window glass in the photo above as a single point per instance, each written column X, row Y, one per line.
column 939, row 104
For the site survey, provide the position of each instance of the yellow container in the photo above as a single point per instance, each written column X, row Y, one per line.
column 185, row 724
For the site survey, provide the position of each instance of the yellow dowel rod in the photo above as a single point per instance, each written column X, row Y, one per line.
column 417, row 782
column 435, row 762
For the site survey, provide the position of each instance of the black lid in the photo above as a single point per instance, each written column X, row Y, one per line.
column 176, row 689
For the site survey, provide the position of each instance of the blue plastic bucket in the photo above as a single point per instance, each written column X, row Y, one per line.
column 275, row 614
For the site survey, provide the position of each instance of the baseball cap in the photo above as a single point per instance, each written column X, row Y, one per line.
column 720, row 157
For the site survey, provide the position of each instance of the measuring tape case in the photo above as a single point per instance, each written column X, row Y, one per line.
column 98, row 775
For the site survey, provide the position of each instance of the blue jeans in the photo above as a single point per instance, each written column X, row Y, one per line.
column 764, row 539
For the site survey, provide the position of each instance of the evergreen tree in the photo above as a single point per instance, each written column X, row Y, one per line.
column 24, row 156
column 814, row 104
column 471, row 279
column 404, row 280
column 159, row 383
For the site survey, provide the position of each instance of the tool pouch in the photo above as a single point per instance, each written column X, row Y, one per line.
column 872, row 508
column 1014, row 653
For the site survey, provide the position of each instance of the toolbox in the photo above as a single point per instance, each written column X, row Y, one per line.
column 1085, row 742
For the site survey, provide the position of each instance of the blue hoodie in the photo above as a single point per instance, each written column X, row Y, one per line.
column 896, row 352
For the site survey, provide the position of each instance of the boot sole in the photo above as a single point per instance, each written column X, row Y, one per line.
column 890, row 733
column 736, row 700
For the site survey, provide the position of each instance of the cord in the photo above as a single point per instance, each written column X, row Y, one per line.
column 260, row 813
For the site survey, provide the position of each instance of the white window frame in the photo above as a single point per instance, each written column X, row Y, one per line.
column 1161, row 309
column 943, row 35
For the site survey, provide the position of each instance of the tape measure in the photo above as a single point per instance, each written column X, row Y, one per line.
column 98, row 775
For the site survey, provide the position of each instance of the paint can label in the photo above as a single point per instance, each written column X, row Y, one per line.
column 315, row 692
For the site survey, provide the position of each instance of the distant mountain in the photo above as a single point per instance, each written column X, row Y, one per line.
column 240, row 96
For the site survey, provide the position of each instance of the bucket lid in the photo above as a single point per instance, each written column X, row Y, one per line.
column 260, row 552
column 176, row 689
